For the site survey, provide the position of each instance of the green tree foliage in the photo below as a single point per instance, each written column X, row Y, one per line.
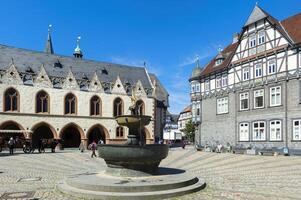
column 189, row 131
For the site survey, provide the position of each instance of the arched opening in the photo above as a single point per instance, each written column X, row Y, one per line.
column 11, row 100
column 118, row 107
column 95, row 105
column 96, row 133
column 146, row 139
column 119, row 132
column 140, row 107
column 12, row 129
column 42, row 131
column 42, row 102
column 71, row 136
column 70, row 104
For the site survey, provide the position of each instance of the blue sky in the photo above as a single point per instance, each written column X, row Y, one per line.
column 166, row 34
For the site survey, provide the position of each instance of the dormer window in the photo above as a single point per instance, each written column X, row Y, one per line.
column 218, row 61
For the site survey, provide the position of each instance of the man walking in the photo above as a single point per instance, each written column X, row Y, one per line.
column 93, row 148
column 11, row 144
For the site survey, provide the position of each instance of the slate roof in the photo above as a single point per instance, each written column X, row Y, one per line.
column 59, row 66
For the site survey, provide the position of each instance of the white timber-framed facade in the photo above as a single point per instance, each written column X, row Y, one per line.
column 261, row 104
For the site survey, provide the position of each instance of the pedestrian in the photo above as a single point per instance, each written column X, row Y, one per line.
column 82, row 146
column 93, row 148
column 11, row 144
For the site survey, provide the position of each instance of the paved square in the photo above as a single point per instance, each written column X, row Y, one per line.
column 228, row 176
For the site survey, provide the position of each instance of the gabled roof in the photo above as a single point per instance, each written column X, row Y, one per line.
column 161, row 93
column 256, row 15
column 292, row 25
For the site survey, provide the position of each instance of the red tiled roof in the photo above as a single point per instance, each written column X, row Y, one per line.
column 292, row 25
column 228, row 53
column 187, row 109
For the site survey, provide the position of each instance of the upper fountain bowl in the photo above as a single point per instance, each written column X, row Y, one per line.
column 133, row 120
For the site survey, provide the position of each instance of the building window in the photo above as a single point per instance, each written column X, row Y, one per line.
column 259, row 98
column 218, row 61
column 261, row 38
column 140, row 107
column 272, row 67
column 258, row 70
column 244, row 132
column 197, row 87
column 95, row 105
column 224, row 80
column 119, row 132
column 42, row 102
column 11, row 100
column 207, row 85
column 192, row 87
column 70, row 104
column 118, row 107
column 275, row 96
column 245, row 73
column 222, row 105
column 218, row 82
column 259, row 131
column 252, row 41
column 297, row 129
column 275, row 130
column 244, row 101
column 198, row 109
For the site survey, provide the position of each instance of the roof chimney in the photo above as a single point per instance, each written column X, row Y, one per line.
column 235, row 38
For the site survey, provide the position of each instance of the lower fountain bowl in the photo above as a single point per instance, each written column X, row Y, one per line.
column 132, row 158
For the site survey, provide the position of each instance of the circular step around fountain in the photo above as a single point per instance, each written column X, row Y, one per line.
column 103, row 186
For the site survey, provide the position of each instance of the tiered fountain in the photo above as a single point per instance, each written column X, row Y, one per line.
column 132, row 169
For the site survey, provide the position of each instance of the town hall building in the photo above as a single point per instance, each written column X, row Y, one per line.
column 249, row 94
column 44, row 95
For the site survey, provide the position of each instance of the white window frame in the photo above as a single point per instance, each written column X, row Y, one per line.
column 218, row 61
column 224, row 80
column 258, row 70
column 198, row 109
column 218, row 82
column 275, row 130
column 259, row 93
column 222, row 105
column 197, row 87
column 272, row 66
column 192, row 87
column 246, row 73
column 244, row 135
column 261, row 136
column 252, row 41
column 275, row 92
column 297, row 130
column 261, row 38
column 300, row 59
column 242, row 97
column 207, row 85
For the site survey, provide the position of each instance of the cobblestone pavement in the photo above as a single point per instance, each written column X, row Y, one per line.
column 228, row 176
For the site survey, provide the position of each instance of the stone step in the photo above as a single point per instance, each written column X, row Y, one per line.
column 90, row 194
column 105, row 183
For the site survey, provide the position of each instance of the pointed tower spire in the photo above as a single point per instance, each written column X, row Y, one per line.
column 197, row 62
column 48, row 47
column 77, row 51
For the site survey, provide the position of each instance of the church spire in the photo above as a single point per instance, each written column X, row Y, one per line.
column 48, row 47
column 77, row 51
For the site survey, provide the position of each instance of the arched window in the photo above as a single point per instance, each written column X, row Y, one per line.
column 119, row 132
column 140, row 107
column 42, row 102
column 11, row 100
column 70, row 104
column 95, row 106
column 118, row 107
